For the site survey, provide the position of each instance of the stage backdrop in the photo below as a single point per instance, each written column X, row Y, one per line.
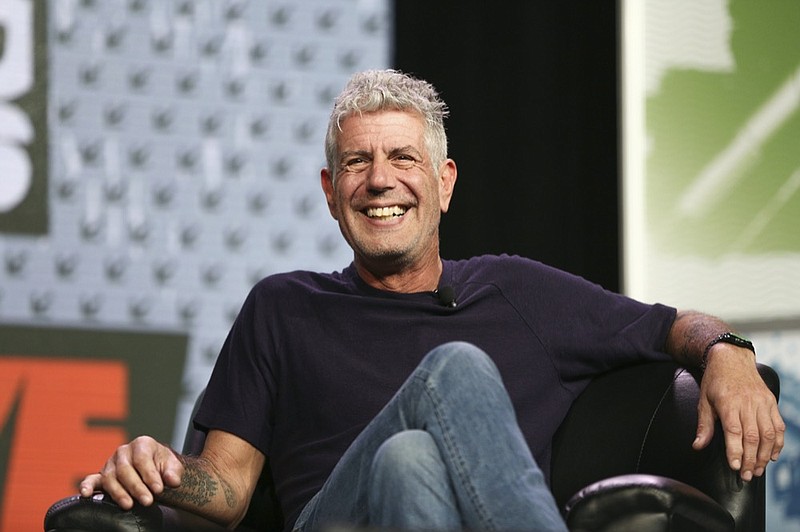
column 711, row 181
column 713, row 156
column 156, row 159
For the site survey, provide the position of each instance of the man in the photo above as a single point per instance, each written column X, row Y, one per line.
column 413, row 392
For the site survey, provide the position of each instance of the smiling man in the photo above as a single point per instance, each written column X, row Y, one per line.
column 412, row 392
column 388, row 195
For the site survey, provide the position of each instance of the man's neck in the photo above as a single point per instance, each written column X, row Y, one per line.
column 408, row 279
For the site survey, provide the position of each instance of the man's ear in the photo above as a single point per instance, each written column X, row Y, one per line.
column 448, row 174
column 326, row 180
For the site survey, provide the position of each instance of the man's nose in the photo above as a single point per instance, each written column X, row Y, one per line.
column 380, row 176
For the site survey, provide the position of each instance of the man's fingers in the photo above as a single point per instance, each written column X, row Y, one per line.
column 171, row 469
column 123, row 482
column 771, row 436
column 780, row 431
column 766, row 442
column 752, row 439
column 705, row 425
column 163, row 470
column 748, row 411
column 137, row 471
column 733, row 431
column 132, row 473
column 90, row 484
column 144, row 471
column 734, row 449
column 106, row 481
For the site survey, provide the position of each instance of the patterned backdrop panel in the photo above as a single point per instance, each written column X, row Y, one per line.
column 157, row 158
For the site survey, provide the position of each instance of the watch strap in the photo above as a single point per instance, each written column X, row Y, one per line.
column 727, row 338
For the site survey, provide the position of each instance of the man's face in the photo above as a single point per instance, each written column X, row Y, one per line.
column 386, row 196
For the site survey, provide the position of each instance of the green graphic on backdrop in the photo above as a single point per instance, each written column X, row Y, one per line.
column 723, row 175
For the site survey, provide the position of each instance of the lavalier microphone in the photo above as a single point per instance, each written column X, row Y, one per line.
column 447, row 296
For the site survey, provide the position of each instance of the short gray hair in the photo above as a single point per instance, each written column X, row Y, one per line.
column 385, row 90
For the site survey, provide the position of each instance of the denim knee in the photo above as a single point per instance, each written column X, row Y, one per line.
column 408, row 453
column 409, row 487
column 457, row 354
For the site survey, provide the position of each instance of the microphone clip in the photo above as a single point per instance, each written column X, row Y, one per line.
column 446, row 296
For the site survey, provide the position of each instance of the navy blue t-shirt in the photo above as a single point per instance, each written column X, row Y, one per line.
column 312, row 358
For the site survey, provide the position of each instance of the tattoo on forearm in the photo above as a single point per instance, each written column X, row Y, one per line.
column 198, row 486
column 230, row 496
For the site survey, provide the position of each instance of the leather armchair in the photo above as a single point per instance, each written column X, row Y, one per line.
column 622, row 460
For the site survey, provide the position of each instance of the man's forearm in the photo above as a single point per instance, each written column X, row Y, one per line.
column 731, row 391
column 690, row 335
column 203, row 491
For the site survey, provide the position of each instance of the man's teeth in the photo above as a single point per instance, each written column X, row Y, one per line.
column 385, row 212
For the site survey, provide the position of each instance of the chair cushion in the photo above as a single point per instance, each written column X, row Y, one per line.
column 645, row 503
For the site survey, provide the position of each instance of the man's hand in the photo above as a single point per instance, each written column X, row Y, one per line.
column 217, row 484
column 139, row 470
column 733, row 392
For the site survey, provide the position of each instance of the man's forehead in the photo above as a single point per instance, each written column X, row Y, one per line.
column 385, row 129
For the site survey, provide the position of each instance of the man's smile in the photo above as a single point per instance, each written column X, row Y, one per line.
column 385, row 213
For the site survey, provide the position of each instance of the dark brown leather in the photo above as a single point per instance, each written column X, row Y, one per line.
column 645, row 502
column 642, row 420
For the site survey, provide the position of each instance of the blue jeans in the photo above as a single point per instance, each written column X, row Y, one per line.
column 446, row 453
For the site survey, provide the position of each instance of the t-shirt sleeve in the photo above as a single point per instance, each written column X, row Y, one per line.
column 240, row 393
column 585, row 328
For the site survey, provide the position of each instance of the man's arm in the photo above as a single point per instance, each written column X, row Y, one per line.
column 731, row 391
column 217, row 484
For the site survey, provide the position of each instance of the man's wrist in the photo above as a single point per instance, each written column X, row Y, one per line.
column 726, row 338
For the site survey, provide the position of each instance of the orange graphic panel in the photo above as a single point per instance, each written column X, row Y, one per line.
column 65, row 418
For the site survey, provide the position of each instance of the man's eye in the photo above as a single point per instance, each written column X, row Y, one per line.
column 355, row 163
column 404, row 160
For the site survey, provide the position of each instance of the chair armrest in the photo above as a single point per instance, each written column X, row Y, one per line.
column 100, row 514
column 645, row 503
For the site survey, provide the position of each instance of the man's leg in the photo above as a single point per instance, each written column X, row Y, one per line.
column 456, row 396
column 410, row 487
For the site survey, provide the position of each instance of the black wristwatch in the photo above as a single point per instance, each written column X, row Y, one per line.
column 727, row 338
